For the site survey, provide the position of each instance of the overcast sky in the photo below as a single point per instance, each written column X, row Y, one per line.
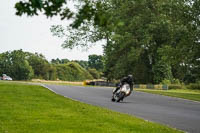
column 33, row 34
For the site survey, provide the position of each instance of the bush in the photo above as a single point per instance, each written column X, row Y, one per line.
column 175, row 86
column 198, row 82
column 94, row 73
column 166, row 82
column 176, row 81
column 193, row 86
column 72, row 72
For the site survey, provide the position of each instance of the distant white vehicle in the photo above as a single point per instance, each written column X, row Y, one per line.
column 5, row 77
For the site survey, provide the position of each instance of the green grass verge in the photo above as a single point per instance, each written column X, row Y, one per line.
column 180, row 93
column 34, row 109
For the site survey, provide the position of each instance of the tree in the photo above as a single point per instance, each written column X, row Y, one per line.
column 155, row 26
column 15, row 65
column 49, row 8
column 5, row 63
column 82, row 63
column 56, row 61
column 40, row 65
column 59, row 61
column 136, row 31
column 95, row 61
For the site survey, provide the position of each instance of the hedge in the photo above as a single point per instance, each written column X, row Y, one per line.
column 193, row 86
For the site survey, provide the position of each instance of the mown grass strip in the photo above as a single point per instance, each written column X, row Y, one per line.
column 179, row 93
column 34, row 109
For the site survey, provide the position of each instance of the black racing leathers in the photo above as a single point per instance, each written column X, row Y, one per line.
column 123, row 81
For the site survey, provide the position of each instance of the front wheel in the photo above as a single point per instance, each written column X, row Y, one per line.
column 121, row 96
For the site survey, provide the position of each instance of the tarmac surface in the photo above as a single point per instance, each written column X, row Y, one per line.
column 174, row 112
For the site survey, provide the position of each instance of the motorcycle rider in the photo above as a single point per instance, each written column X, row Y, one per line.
column 128, row 80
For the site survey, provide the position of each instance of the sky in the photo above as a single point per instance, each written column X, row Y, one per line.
column 32, row 34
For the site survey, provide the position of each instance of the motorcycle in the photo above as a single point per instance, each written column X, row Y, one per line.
column 121, row 93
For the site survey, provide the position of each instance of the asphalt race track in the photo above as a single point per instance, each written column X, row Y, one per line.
column 177, row 113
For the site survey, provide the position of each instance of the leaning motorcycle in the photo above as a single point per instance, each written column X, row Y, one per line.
column 121, row 93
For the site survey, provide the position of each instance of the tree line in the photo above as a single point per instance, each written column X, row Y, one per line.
column 22, row 65
column 154, row 40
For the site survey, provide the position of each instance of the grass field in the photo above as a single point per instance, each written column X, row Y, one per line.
column 34, row 109
column 180, row 93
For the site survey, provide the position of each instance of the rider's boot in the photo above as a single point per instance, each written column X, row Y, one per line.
column 112, row 99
